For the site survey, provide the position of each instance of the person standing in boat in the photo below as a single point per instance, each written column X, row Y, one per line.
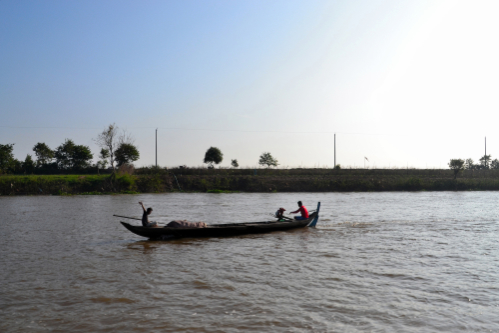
column 145, row 217
column 303, row 211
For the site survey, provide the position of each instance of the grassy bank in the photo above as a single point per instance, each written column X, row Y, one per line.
column 251, row 180
column 83, row 184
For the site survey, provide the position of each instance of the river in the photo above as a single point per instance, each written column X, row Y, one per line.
column 377, row 262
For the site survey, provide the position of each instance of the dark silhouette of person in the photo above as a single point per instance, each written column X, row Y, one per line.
column 145, row 217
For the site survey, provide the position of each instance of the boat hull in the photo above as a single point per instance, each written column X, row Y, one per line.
column 220, row 230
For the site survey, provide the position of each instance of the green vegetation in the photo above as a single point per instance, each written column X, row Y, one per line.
column 157, row 180
column 266, row 159
column 116, row 148
column 126, row 154
column 67, row 171
column 102, row 163
column 82, row 184
column 6, row 156
column 44, row 155
column 486, row 163
column 457, row 165
column 213, row 155
column 72, row 156
column 221, row 191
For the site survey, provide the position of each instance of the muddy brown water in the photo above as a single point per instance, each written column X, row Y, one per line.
column 377, row 262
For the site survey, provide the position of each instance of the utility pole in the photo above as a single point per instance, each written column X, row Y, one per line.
column 156, row 147
column 485, row 145
column 335, row 150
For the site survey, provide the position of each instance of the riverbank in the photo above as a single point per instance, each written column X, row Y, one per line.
column 252, row 180
column 83, row 184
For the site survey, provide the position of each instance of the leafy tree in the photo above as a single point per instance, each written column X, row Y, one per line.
column 28, row 164
column 104, row 155
column 266, row 159
column 64, row 153
column 469, row 164
column 15, row 166
column 494, row 164
column 485, row 161
column 126, row 154
column 457, row 165
column 6, row 156
column 44, row 155
column 71, row 156
column 213, row 155
column 234, row 163
column 81, row 157
column 337, row 167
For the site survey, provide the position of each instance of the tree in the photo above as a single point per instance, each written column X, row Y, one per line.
column 44, row 155
column 485, row 161
column 71, row 156
column 6, row 156
column 268, row 160
column 28, row 164
column 63, row 154
column 234, row 163
column 111, row 139
column 457, row 165
column 108, row 139
column 15, row 166
column 469, row 164
column 81, row 157
column 213, row 155
column 126, row 154
column 494, row 164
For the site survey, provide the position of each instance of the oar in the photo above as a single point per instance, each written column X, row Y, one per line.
column 283, row 217
column 133, row 218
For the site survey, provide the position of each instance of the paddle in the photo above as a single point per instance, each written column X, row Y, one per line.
column 131, row 218
column 283, row 217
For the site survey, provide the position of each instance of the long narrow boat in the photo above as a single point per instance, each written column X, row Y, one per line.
column 223, row 230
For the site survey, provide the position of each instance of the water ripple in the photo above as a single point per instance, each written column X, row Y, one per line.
column 401, row 262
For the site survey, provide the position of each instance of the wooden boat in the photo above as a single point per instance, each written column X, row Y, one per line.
column 224, row 230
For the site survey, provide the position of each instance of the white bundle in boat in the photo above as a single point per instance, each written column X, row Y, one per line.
column 185, row 224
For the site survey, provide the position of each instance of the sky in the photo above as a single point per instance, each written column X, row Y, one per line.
column 401, row 83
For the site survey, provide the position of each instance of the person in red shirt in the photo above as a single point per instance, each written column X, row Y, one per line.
column 303, row 211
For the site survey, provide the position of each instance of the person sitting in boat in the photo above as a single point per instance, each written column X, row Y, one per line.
column 279, row 214
column 303, row 211
column 145, row 217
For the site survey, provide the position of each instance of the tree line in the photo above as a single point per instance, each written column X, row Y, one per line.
column 117, row 149
column 485, row 163
column 214, row 156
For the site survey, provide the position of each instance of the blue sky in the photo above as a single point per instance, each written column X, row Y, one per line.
column 409, row 83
